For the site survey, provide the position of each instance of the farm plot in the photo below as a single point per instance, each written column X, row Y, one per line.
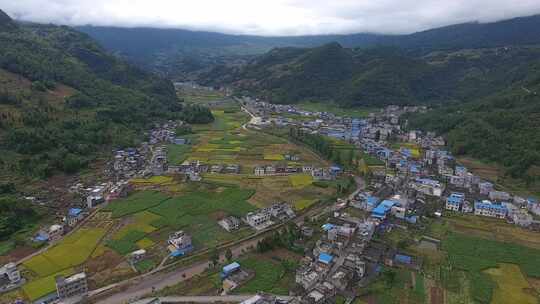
column 300, row 180
column 41, row 287
column 270, row 276
column 511, row 285
column 133, row 235
column 136, row 202
column 192, row 212
column 74, row 250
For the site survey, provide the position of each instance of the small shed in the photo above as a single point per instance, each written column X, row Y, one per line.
column 325, row 258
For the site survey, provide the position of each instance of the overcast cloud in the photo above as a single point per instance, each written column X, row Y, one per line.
column 271, row 17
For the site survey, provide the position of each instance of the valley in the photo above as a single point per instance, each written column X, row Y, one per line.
column 179, row 166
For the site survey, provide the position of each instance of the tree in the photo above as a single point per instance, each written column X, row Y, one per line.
column 214, row 256
column 228, row 254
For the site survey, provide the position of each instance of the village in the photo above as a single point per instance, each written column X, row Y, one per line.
column 399, row 183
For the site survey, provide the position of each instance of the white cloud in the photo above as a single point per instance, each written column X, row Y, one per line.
column 272, row 17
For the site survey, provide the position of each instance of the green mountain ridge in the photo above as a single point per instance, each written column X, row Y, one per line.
column 377, row 76
column 64, row 100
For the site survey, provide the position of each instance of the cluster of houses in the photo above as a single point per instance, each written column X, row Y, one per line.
column 192, row 169
column 266, row 217
column 433, row 174
column 336, row 264
column 284, row 169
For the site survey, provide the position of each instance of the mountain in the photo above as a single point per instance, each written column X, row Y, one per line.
column 178, row 53
column 377, row 76
column 6, row 23
column 64, row 99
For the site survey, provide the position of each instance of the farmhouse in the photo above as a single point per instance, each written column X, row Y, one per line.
column 75, row 285
column 137, row 255
column 74, row 216
column 499, row 196
column 259, row 171
column 179, row 243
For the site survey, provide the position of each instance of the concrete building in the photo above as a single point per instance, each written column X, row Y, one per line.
column 490, row 209
column 75, row 285
column 55, row 232
column 230, row 223
column 10, row 277
column 454, row 201
column 258, row 220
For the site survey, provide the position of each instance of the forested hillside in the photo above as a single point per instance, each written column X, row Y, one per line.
column 180, row 53
column 377, row 76
column 503, row 129
column 63, row 99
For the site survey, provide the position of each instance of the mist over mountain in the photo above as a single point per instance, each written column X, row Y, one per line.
column 177, row 53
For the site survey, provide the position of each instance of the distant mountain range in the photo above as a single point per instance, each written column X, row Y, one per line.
column 178, row 52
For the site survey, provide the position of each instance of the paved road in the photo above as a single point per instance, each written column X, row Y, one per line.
column 205, row 299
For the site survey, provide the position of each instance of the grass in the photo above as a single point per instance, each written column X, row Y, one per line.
column 44, row 286
column 269, row 277
column 72, row 251
column 145, row 243
column 6, row 246
column 300, row 180
column 145, row 266
column 511, row 285
column 136, row 202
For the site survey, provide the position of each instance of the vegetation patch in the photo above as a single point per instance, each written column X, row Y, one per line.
column 274, row 157
column 511, row 285
column 72, row 251
column 41, row 287
column 304, row 203
column 136, row 202
column 270, row 276
column 300, row 180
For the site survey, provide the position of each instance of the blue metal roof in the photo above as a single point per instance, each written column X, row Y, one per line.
column 325, row 258
column 231, row 267
column 372, row 200
column 401, row 258
column 328, row 226
column 74, row 211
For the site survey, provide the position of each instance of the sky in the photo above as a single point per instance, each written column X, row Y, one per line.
column 271, row 17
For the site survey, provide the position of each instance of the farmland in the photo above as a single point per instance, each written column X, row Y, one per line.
column 137, row 202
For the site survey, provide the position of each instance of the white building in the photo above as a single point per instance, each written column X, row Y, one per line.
column 258, row 220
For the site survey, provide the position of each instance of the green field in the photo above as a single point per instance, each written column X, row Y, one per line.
column 270, row 276
column 474, row 255
column 177, row 154
column 136, row 202
column 72, row 251
column 193, row 211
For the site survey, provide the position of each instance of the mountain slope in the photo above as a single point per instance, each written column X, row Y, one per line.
column 376, row 76
column 63, row 99
column 161, row 49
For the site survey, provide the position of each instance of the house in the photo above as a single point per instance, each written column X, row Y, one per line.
column 455, row 201
column 216, row 169
column 180, row 141
column 467, row 207
column 74, row 216
column 306, row 277
column 325, row 258
column 307, row 169
column 230, row 223
column 10, row 277
column 259, row 171
column 258, row 220
column 55, row 232
column 281, row 211
column 522, row 218
column 75, row 285
column 485, row 188
column 428, row 186
column 499, row 196
column 179, row 243
column 488, row 208
column 383, row 209
column 270, row 170
column 232, row 169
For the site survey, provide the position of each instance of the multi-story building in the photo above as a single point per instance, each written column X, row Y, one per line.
column 75, row 285
column 455, row 201
column 488, row 208
column 258, row 220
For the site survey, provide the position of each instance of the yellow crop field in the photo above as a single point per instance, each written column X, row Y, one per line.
column 44, row 286
column 300, row 180
column 304, row 203
column 74, row 250
column 511, row 285
column 154, row 180
column 275, row 157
